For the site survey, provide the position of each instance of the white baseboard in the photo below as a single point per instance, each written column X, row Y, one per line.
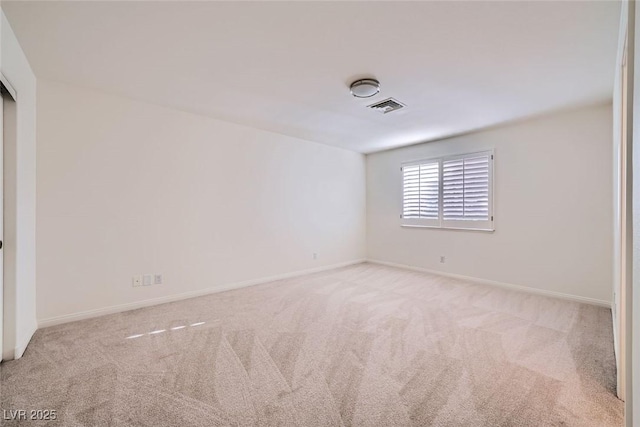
column 58, row 320
column 510, row 286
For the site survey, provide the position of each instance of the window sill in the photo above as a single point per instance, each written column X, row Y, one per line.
column 436, row 227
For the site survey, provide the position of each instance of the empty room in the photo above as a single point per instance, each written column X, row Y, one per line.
column 332, row 213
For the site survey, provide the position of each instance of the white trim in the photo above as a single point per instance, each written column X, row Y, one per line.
column 435, row 227
column 614, row 319
column 20, row 349
column 520, row 288
column 58, row 320
column 9, row 87
column 459, row 154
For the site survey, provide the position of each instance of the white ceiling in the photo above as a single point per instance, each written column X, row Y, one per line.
column 286, row 66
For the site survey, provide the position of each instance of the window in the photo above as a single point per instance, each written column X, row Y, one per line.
column 449, row 192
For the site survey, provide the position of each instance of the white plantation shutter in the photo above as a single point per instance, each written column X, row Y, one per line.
column 450, row 192
column 465, row 188
column 420, row 193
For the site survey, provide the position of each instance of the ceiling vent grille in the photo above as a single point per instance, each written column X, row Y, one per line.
column 387, row 106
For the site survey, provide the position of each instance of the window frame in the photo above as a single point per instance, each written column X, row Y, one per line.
column 441, row 223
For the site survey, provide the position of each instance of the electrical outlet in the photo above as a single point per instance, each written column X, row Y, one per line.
column 137, row 281
column 315, row 255
column 157, row 279
column 147, row 280
column 442, row 259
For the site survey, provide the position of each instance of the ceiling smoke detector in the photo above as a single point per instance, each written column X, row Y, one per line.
column 365, row 88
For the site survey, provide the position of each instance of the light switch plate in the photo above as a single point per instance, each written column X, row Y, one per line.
column 147, row 280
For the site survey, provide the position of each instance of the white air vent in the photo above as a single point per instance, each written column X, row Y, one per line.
column 387, row 106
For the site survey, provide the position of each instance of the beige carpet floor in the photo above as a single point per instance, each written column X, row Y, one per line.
column 365, row 345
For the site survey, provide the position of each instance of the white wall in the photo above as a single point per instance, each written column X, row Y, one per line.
column 553, row 216
column 126, row 188
column 20, row 197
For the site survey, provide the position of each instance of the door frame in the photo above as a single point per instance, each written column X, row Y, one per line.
column 624, row 220
column 7, row 93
